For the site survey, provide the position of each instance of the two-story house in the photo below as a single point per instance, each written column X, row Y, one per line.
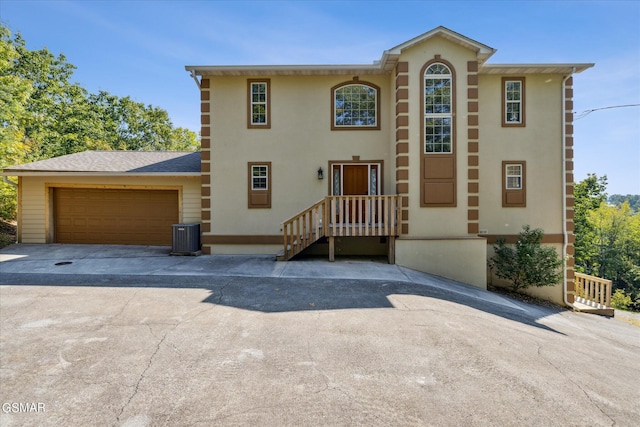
column 429, row 154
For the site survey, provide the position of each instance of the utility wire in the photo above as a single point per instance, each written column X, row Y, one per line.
column 587, row 112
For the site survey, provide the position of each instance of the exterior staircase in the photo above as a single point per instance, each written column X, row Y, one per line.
column 348, row 216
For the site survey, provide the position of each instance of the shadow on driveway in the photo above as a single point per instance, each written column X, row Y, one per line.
column 289, row 294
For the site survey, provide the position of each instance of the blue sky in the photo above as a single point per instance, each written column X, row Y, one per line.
column 140, row 48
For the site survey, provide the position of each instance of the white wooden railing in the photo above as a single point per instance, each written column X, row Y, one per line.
column 593, row 291
column 303, row 229
column 336, row 216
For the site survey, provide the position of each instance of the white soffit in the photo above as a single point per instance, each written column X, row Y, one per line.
column 285, row 70
column 533, row 68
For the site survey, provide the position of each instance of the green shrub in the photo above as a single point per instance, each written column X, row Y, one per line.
column 527, row 263
column 7, row 201
column 620, row 300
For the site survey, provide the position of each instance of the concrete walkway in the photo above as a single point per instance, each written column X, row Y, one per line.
column 125, row 336
column 156, row 261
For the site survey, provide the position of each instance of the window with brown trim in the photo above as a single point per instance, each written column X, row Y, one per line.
column 514, row 193
column 355, row 105
column 438, row 147
column 259, row 104
column 259, row 194
column 513, row 102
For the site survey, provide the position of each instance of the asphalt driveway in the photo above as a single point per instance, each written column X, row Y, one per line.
column 247, row 341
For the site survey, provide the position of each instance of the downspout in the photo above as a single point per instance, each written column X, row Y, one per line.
column 565, row 233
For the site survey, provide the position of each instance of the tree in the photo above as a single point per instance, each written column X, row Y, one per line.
column 43, row 114
column 607, row 241
column 615, row 234
column 14, row 93
column 527, row 263
column 589, row 194
column 633, row 199
column 608, row 227
column 129, row 125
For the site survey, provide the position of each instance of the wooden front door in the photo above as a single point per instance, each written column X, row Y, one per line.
column 355, row 180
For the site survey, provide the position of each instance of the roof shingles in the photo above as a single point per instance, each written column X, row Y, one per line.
column 160, row 162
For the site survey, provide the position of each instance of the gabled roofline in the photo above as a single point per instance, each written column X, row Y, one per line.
column 383, row 66
column 388, row 61
column 482, row 50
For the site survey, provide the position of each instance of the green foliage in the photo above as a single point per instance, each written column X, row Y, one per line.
column 8, row 203
column 632, row 199
column 614, row 233
column 43, row 114
column 589, row 194
column 607, row 238
column 527, row 263
column 620, row 300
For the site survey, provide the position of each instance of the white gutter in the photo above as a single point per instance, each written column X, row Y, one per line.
column 565, row 233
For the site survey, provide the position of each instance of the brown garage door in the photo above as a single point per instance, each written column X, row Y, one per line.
column 112, row 216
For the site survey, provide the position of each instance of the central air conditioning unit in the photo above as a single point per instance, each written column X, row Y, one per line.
column 186, row 239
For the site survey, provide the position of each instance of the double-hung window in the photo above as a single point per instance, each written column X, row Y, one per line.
column 259, row 104
column 438, row 116
column 513, row 184
column 355, row 105
column 513, row 106
column 259, row 185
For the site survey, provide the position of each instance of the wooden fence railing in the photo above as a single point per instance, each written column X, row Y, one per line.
column 303, row 229
column 336, row 216
column 362, row 215
column 593, row 290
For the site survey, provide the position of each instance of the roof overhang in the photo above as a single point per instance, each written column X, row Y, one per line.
column 285, row 70
column 112, row 163
column 388, row 61
column 10, row 172
column 534, row 68
column 385, row 65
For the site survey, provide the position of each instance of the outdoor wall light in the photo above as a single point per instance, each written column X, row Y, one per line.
column 320, row 173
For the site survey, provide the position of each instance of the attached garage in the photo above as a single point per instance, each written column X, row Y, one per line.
column 113, row 216
column 107, row 197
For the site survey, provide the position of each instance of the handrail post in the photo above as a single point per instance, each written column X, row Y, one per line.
column 593, row 289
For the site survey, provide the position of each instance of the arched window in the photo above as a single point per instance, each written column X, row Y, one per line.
column 355, row 105
column 438, row 111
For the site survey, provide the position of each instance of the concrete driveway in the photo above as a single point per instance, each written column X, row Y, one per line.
column 128, row 336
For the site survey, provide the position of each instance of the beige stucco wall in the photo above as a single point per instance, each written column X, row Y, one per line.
column 35, row 214
column 437, row 221
column 461, row 259
column 539, row 143
column 553, row 293
column 299, row 141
